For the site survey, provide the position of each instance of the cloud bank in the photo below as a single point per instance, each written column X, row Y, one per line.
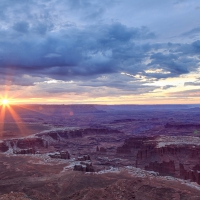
column 75, row 46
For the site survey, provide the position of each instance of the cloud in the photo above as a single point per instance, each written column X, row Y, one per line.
column 52, row 55
column 186, row 93
column 167, row 87
column 90, row 9
column 192, row 33
column 83, row 41
column 85, row 54
column 92, row 51
column 169, row 62
column 70, row 52
column 192, row 84
column 21, row 27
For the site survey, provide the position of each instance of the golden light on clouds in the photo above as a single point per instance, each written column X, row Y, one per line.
column 141, row 89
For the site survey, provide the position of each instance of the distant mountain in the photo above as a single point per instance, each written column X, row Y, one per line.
column 55, row 109
column 143, row 107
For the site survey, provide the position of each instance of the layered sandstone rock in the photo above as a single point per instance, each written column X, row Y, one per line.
column 23, row 146
column 102, row 150
column 133, row 144
column 192, row 174
column 169, row 155
column 164, row 168
column 24, row 143
column 78, row 133
column 3, row 147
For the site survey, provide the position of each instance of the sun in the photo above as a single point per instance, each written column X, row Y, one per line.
column 5, row 101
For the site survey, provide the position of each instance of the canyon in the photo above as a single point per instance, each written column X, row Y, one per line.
column 102, row 152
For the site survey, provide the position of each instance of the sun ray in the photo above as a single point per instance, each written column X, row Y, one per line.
column 2, row 118
column 28, row 107
column 23, row 129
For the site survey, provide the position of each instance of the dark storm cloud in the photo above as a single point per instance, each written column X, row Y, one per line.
column 169, row 62
column 176, row 58
column 74, row 52
column 115, row 81
column 93, row 51
column 94, row 89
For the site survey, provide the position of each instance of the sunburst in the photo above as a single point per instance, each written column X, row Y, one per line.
column 5, row 102
column 9, row 108
column 6, row 106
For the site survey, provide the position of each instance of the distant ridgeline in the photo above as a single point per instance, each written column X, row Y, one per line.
column 182, row 125
column 149, row 107
column 56, row 109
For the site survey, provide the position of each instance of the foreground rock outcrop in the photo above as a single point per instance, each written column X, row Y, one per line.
column 134, row 189
column 14, row 196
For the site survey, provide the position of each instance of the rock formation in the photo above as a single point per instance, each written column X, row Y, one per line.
column 174, row 156
column 102, row 150
column 24, row 151
column 164, row 168
column 84, row 166
column 192, row 174
column 3, row 147
column 60, row 155
column 182, row 125
column 97, row 149
column 77, row 133
column 83, row 158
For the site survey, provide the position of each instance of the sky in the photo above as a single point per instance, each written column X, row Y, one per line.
column 100, row 52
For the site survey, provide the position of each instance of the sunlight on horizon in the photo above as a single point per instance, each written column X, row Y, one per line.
column 5, row 101
column 6, row 107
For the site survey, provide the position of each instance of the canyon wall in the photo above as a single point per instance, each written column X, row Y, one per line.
column 178, row 159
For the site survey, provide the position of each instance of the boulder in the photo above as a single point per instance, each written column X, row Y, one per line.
column 85, row 166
